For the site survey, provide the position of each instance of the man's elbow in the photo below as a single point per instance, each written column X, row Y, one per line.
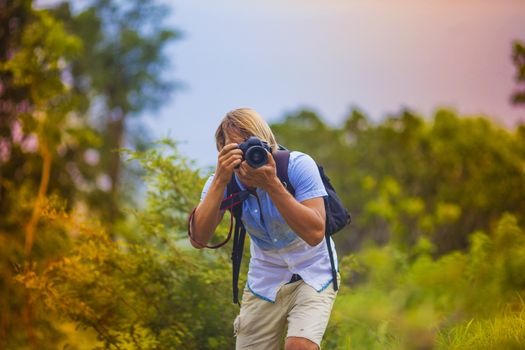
column 316, row 236
column 195, row 244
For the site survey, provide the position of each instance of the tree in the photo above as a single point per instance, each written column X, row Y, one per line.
column 406, row 177
column 49, row 150
column 518, row 57
column 38, row 139
column 154, row 291
column 121, row 69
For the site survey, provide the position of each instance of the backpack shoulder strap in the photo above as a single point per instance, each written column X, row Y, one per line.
column 282, row 158
column 236, row 257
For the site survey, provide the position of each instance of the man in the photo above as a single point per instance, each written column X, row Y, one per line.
column 289, row 276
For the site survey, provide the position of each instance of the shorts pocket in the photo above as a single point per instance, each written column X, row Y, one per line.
column 236, row 325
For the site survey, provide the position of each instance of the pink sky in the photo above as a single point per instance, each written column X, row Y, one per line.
column 380, row 55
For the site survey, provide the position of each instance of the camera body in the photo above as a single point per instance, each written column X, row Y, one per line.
column 254, row 152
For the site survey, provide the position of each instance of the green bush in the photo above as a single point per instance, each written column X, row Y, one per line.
column 461, row 300
column 145, row 290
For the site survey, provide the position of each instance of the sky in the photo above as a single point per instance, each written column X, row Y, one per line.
column 380, row 56
column 278, row 56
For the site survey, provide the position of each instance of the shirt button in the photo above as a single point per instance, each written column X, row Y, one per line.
column 255, row 210
column 275, row 239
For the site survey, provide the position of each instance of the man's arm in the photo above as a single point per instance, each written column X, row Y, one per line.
column 208, row 215
column 306, row 218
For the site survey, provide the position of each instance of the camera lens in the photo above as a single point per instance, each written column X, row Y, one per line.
column 256, row 156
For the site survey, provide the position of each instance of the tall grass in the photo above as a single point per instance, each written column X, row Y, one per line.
column 397, row 299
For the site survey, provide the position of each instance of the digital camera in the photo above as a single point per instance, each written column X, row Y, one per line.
column 254, row 152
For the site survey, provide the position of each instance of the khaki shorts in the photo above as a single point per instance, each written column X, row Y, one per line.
column 298, row 307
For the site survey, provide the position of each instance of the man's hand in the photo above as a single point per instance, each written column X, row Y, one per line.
column 263, row 177
column 229, row 157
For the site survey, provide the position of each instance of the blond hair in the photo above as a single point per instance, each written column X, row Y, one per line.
column 246, row 122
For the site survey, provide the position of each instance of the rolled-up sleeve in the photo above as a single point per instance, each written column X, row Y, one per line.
column 304, row 177
column 206, row 186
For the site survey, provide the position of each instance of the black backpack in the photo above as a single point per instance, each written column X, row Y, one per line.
column 337, row 216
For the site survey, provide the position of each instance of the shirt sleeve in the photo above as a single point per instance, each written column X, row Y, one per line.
column 304, row 177
column 207, row 186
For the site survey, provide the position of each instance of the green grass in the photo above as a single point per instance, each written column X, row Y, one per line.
column 504, row 332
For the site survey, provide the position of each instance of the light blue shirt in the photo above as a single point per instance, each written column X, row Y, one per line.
column 277, row 252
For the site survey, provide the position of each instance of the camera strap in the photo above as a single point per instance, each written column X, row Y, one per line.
column 234, row 199
column 229, row 203
column 235, row 196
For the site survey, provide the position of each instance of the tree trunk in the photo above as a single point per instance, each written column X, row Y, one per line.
column 30, row 228
column 116, row 127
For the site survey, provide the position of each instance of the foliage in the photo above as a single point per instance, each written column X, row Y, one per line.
column 407, row 177
column 127, row 39
column 506, row 331
column 518, row 57
column 121, row 69
column 41, row 142
column 150, row 291
column 51, row 149
column 462, row 300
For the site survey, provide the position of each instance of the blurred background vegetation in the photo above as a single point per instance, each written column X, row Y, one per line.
column 92, row 240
